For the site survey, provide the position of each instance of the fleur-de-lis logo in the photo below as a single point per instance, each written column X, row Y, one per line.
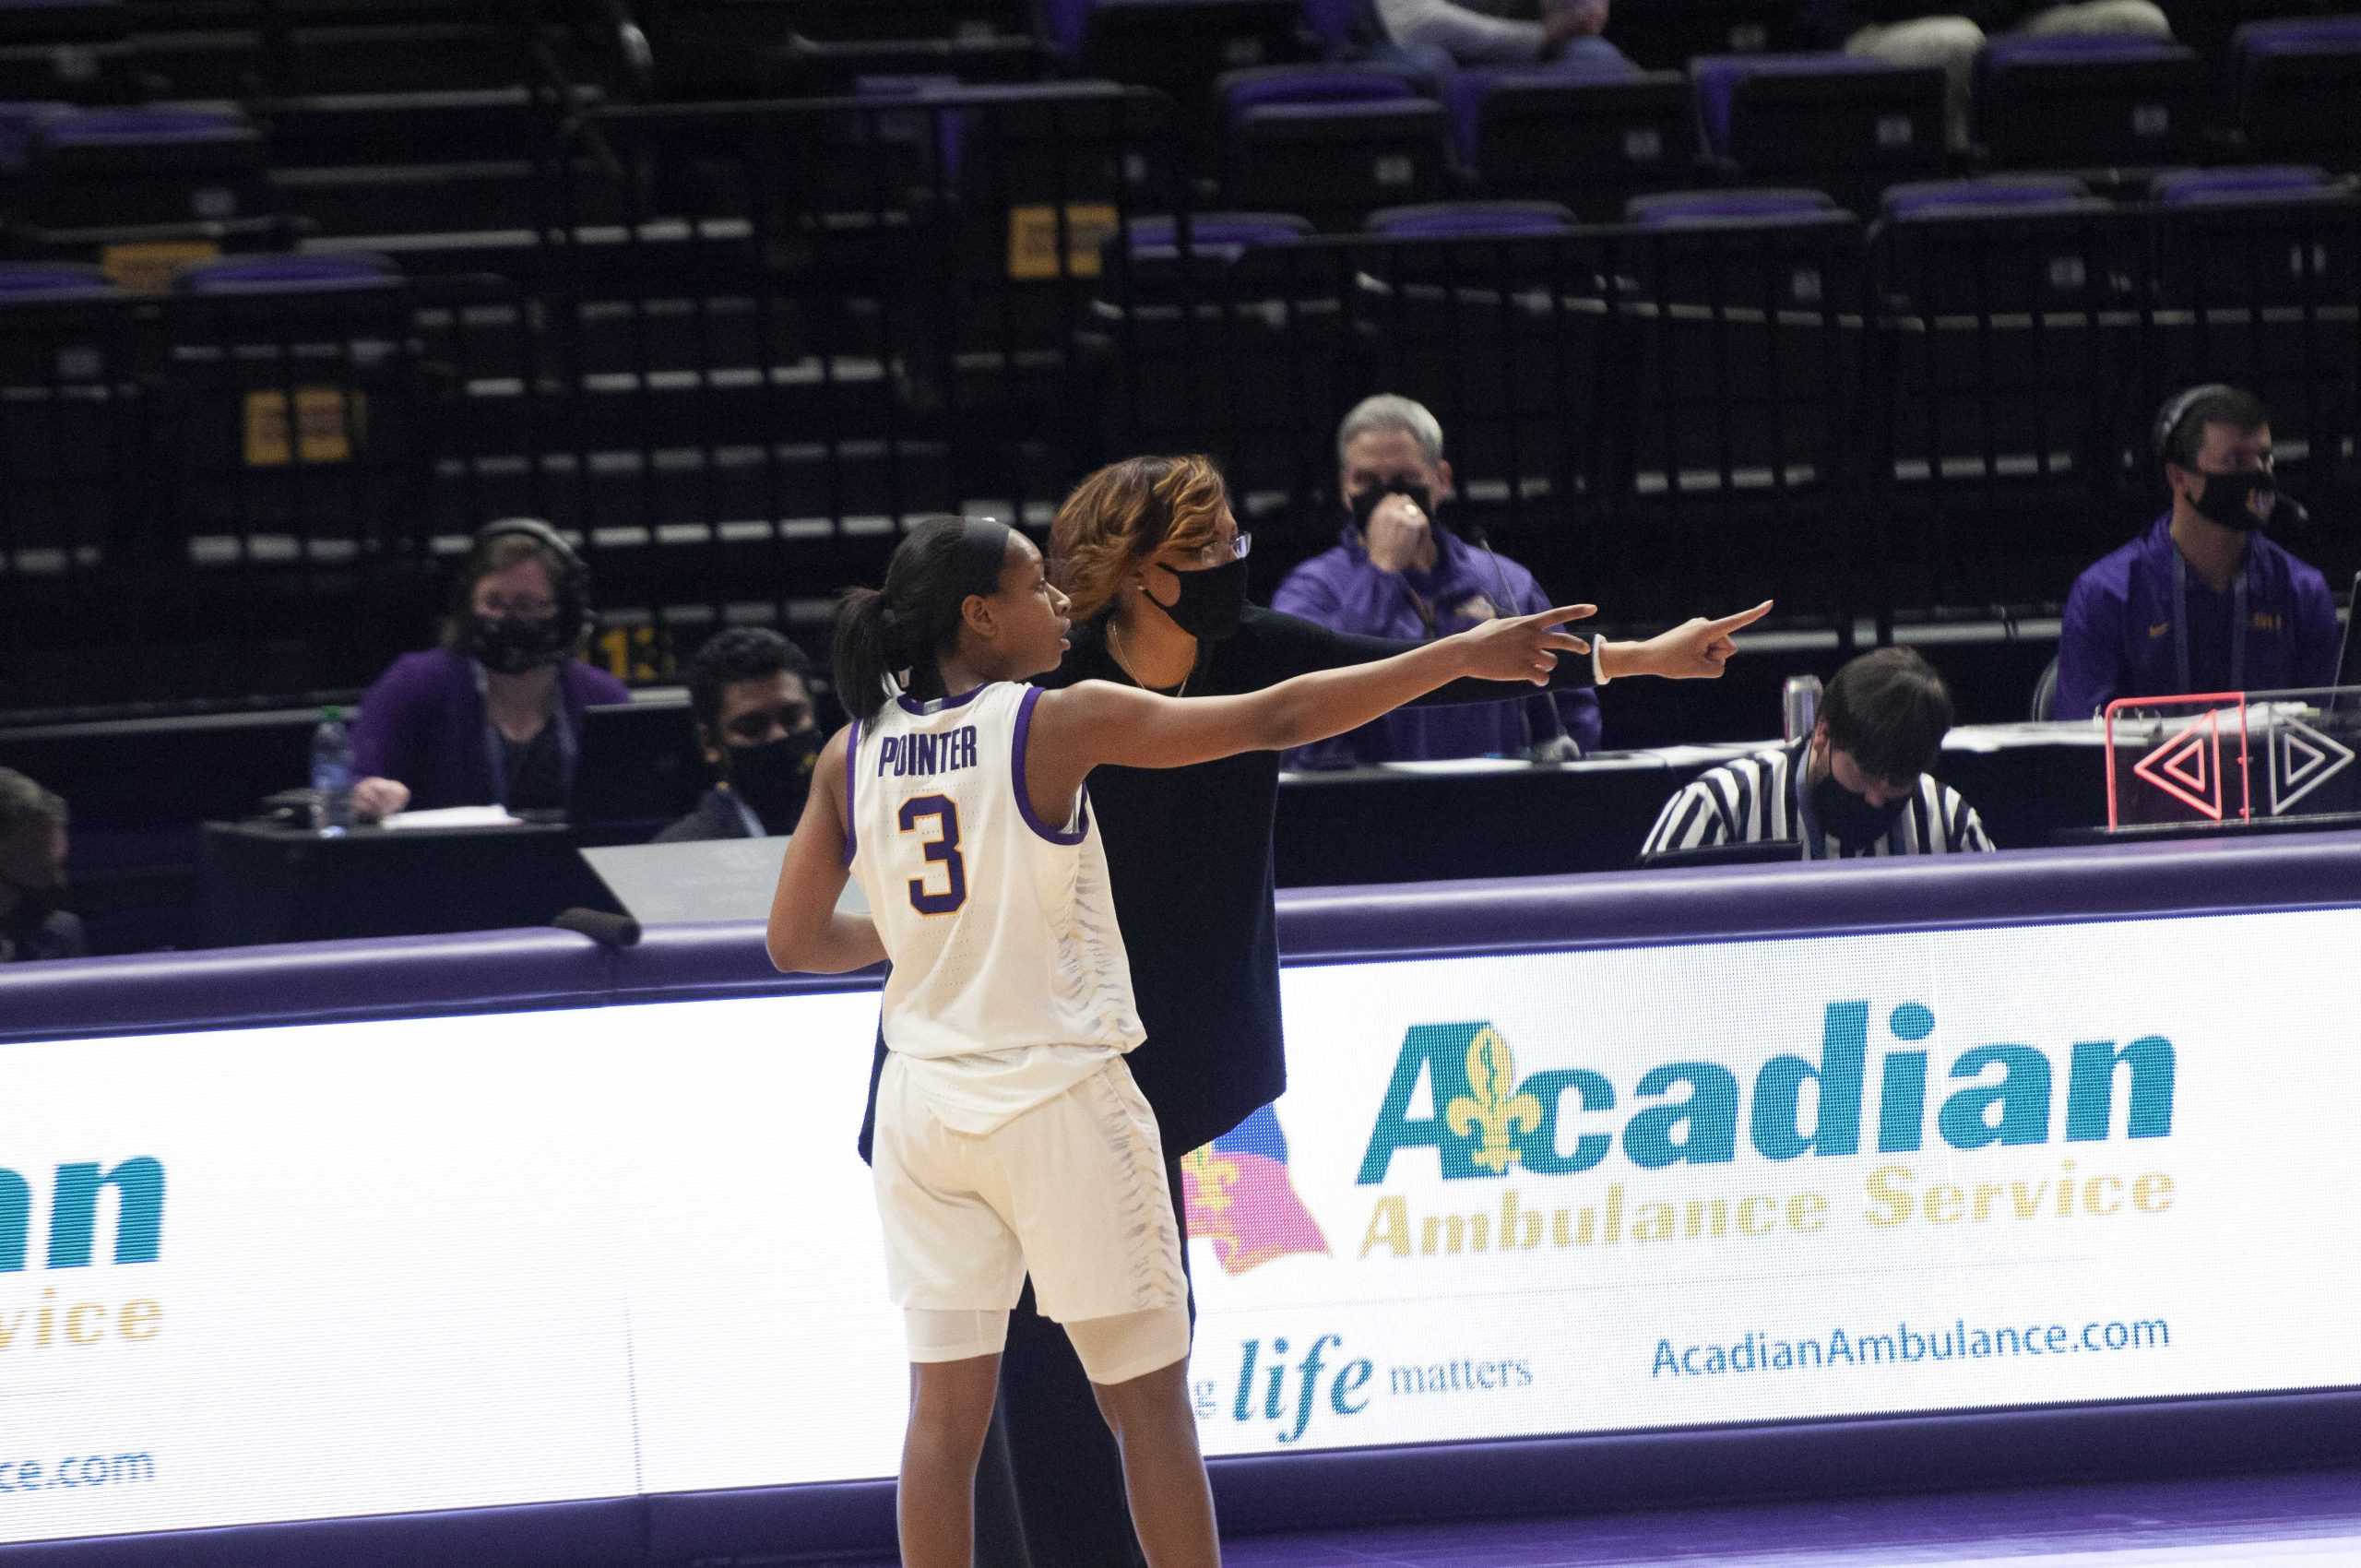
column 1489, row 1110
column 1210, row 1176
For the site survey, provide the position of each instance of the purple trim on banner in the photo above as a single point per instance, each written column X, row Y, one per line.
column 590, row 1534
column 1024, row 796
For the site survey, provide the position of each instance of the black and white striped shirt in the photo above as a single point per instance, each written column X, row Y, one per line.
column 1753, row 799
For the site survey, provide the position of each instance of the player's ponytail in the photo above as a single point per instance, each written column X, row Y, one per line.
column 894, row 636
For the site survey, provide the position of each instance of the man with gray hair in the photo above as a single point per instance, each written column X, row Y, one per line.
column 1395, row 571
column 32, row 874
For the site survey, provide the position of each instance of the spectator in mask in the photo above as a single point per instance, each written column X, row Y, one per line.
column 2202, row 601
column 33, row 923
column 494, row 716
column 1396, row 572
column 750, row 692
column 1857, row 786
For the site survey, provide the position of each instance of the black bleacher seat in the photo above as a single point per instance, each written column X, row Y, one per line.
column 1738, row 327
column 2007, row 323
column 2296, row 82
column 1180, row 47
column 2258, row 284
column 1667, row 34
column 1331, row 142
column 68, row 419
column 1843, row 123
column 2097, row 102
column 1489, row 314
column 120, row 168
column 74, row 49
column 1592, row 143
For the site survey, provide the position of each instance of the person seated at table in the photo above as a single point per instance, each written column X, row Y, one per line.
column 33, row 923
column 751, row 696
column 2202, row 601
column 1857, row 786
column 1397, row 572
column 494, row 716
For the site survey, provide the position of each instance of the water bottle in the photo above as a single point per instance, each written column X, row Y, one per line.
column 331, row 774
column 1800, row 707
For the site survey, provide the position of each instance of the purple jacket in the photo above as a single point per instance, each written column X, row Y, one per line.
column 2120, row 638
column 423, row 724
column 1341, row 590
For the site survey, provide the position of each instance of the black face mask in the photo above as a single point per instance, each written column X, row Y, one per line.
column 1211, row 600
column 2226, row 499
column 34, row 905
column 511, row 646
column 773, row 777
column 1849, row 818
column 1366, row 503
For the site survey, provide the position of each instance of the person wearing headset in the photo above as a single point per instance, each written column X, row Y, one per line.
column 492, row 716
column 2204, row 601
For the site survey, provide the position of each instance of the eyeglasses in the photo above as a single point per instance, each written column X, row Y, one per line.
column 758, row 726
column 1222, row 551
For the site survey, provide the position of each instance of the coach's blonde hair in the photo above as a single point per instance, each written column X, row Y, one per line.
column 1125, row 513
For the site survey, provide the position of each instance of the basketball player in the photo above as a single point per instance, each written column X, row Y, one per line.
column 1011, row 1137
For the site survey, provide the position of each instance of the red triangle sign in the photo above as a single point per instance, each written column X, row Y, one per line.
column 2188, row 766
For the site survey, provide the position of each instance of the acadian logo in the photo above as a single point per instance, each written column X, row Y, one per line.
column 73, row 1217
column 1489, row 1121
column 1481, row 1121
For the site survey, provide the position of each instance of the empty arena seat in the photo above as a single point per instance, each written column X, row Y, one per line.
column 26, row 282
column 1999, row 193
column 1591, row 142
column 1667, row 34
column 1221, row 236
column 1848, row 122
column 121, row 167
column 250, row 275
column 2296, row 85
column 1175, row 46
column 1332, row 144
column 1471, row 220
column 2089, row 99
column 70, row 49
column 1676, row 208
column 2176, row 187
column 1341, row 26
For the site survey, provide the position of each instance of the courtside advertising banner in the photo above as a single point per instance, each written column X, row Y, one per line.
column 379, row 1268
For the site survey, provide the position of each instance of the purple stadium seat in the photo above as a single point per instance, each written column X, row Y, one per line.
column 1850, row 124
column 1179, row 47
column 28, row 282
column 2296, row 81
column 2005, row 193
column 286, row 275
column 1336, row 161
column 1465, row 94
column 17, row 120
column 1244, row 91
column 2251, row 182
column 2093, row 100
column 1221, row 236
column 1592, row 142
column 1062, row 22
column 118, row 167
column 1471, row 220
column 1690, row 209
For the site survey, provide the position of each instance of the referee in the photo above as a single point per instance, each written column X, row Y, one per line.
column 1857, row 786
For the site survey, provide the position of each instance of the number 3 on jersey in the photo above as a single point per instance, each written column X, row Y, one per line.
column 943, row 849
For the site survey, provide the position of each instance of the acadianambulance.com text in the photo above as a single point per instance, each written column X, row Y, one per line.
column 1904, row 1343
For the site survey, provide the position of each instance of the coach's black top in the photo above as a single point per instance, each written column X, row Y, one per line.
column 1188, row 851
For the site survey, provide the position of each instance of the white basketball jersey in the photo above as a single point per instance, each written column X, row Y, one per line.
column 1010, row 982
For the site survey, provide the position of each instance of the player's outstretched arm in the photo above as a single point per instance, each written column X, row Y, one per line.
column 1098, row 722
column 805, row 932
